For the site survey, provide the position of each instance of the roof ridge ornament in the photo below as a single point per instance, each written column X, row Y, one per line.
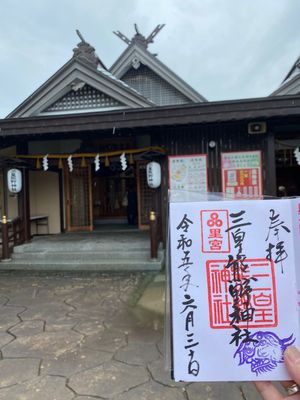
column 138, row 38
column 85, row 52
column 80, row 35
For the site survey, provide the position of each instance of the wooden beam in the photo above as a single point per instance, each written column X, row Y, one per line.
column 210, row 112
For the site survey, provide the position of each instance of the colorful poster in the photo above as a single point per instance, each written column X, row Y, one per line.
column 234, row 288
column 188, row 172
column 242, row 174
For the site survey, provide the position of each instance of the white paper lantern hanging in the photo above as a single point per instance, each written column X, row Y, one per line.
column 14, row 180
column 153, row 174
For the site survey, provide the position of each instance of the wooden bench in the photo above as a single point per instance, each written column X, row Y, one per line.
column 40, row 220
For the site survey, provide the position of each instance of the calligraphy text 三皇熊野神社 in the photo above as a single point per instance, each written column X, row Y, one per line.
column 239, row 288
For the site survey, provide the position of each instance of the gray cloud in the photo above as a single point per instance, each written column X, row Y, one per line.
column 225, row 49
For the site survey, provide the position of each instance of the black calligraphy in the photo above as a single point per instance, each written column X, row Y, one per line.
column 276, row 247
column 240, row 283
column 184, row 244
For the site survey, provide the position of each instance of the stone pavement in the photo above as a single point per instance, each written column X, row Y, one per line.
column 65, row 337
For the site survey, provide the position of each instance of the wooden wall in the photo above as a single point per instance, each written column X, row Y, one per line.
column 195, row 139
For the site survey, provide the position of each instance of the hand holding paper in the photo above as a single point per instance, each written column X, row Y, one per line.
column 234, row 288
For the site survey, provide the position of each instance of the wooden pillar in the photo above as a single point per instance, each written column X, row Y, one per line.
column 164, row 200
column 270, row 166
column 153, row 236
column 5, row 240
column 5, row 225
column 25, row 205
column 5, row 209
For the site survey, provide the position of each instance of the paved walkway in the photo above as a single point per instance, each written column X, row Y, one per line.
column 79, row 337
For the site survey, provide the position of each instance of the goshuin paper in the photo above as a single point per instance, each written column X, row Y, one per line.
column 234, row 282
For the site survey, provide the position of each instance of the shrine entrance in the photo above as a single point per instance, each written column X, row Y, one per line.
column 114, row 191
column 111, row 202
column 109, row 196
column 123, row 197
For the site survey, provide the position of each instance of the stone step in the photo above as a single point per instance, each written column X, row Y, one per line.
column 87, row 247
column 112, row 265
column 107, row 251
column 81, row 256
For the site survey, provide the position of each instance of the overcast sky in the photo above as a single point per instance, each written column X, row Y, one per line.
column 225, row 49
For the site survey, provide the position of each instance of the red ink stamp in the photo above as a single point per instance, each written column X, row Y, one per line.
column 262, row 298
column 214, row 224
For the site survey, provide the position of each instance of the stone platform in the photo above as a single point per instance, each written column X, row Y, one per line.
column 106, row 250
column 78, row 336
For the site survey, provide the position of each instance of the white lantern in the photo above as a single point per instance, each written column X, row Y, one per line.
column 153, row 175
column 14, row 180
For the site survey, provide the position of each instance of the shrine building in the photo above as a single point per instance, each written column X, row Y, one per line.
column 89, row 133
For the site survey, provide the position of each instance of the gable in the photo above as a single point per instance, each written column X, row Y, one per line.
column 288, row 87
column 85, row 98
column 291, row 83
column 136, row 56
column 136, row 80
column 57, row 93
column 153, row 87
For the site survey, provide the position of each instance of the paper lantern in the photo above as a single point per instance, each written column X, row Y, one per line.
column 14, row 180
column 153, row 175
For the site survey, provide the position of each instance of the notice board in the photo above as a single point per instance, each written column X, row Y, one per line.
column 188, row 172
column 242, row 174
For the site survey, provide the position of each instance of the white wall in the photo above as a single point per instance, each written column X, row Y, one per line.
column 44, row 199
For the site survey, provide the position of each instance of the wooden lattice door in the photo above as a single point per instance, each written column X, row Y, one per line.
column 78, row 200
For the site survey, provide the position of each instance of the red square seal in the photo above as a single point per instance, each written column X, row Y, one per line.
column 262, row 296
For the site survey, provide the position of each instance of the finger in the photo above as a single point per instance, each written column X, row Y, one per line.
column 292, row 362
column 268, row 391
column 286, row 384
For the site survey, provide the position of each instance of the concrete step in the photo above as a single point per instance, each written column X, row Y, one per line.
column 81, row 256
column 107, row 251
column 86, row 247
column 112, row 265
